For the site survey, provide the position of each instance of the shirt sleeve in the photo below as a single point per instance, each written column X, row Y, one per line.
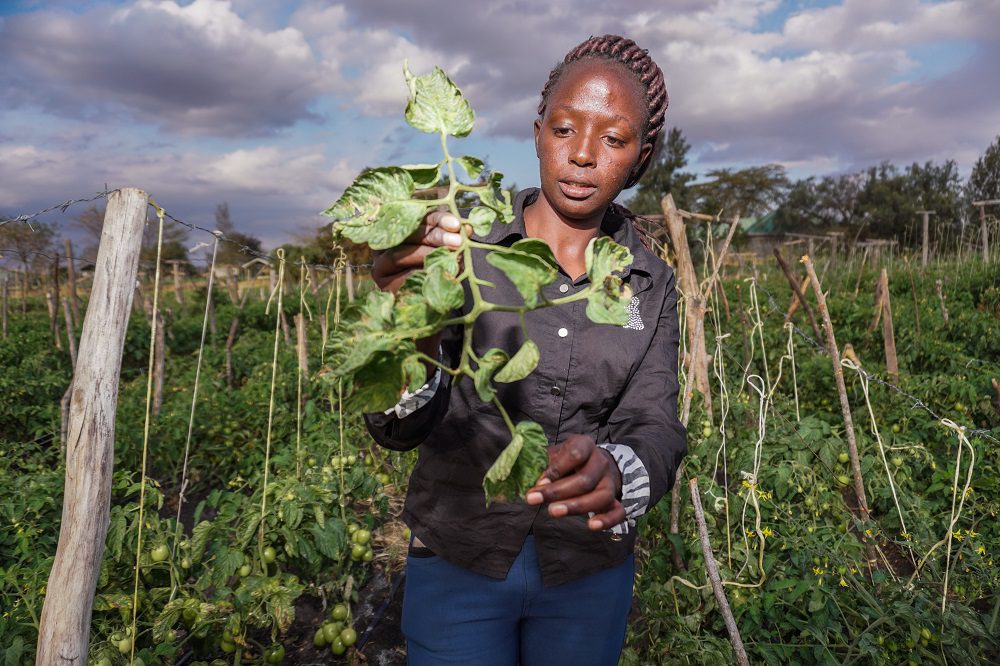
column 645, row 424
column 408, row 423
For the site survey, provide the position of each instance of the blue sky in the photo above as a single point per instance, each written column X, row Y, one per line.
column 273, row 107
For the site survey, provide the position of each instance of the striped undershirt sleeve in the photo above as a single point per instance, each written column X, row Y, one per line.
column 635, row 485
column 411, row 402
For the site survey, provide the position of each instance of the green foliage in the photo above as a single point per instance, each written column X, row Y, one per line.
column 664, row 176
column 378, row 357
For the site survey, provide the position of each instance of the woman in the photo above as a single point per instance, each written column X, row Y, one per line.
column 547, row 580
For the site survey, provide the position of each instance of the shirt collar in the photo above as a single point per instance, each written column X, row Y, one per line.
column 618, row 227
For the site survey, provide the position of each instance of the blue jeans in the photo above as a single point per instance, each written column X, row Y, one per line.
column 454, row 616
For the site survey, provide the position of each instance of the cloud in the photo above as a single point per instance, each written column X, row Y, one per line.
column 195, row 69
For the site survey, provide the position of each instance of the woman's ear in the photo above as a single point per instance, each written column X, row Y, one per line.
column 645, row 154
column 538, row 128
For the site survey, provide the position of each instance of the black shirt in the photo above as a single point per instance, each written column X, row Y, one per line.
column 614, row 384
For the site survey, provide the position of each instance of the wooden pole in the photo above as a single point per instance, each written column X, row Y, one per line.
column 888, row 333
column 64, row 629
column 72, row 295
column 712, row 570
column 6, row 296
column 913, row 290
column 178, row 286
column 845, row 407
column 51, row 300
column 794, row 283
column 70, row 333
column 925, row 255
column 984, row 236
column 939, row 288
column 159, row 364
column 349, row 275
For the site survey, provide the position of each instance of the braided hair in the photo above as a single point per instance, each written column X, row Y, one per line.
column 627, row 53
column 636, row 60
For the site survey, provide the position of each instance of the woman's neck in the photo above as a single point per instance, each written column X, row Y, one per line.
column 567, row 238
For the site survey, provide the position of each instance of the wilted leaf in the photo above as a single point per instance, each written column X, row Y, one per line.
column 488, row 364
column 528, row 272
column 473, row 165
column 423, row 175
column 436, row 104
column 608, row 301
column 520, row 364
column 377, row 209
column 604, row 257
column 494, row 196
column 519, row 464
column 481, row 218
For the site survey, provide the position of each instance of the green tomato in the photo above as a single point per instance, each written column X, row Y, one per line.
column 103, row 661
column 706, row 431
column 269, row 555
column 383, row 478
column 352, row 528
column 362, row 537
column 897, row 461
column 228, row 647
column 349, row 636
column 138, row 662
column 332, row 631
column 895, row 428
column 245, row 570
column 843, row 457
column 125, row 645
column 358, row 551
column 368, row 556
column 351, row 459
column 319, row 638
column 185, row 563
column 843, row 480
column 160, row 553
column 170, row 636
column 339, row 612
column 275, row 654
column 337, row 646
column 190, row 616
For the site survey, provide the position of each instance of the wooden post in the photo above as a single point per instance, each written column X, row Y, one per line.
column 302, row 339
column 794, row 283
column 64, row 629
column 71, row 295
column 845, row 407
column 939, row 288
column 70, row 333
column 888, row 334
column 712, row 571
column 913, row 290
column 349, row 275
column 984, row 236
column 178, row 286
column 159, row 364
column 6, row 296
column 925, row 255
column 51, row 300
column 56, row 295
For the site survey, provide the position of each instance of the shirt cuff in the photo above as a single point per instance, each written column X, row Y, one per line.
column 635, row 485
column 411, row 402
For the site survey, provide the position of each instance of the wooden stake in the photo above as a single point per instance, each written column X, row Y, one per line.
column 925, row 252
column 70, row 333
column 178, row 286
column 159, row 364
column 845, row 406
column 302, row 346
column 913, row 289
column 6, row 296
column 64, row 629
column 349, row 275
column 712, row 570
column 794, row 283
column 879, row 305
column 50, row 299
column 888, row 334
column 939, row 288
column 72, row 295
column 984, row 237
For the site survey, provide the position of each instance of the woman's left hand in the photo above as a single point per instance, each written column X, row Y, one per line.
column 581, row 478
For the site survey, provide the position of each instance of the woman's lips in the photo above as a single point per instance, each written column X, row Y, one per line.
column 576, row 190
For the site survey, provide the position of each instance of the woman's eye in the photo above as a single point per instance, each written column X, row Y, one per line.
column 561, row 131
column 615, row 141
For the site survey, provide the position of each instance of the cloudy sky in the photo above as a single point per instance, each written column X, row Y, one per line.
column 273, row 107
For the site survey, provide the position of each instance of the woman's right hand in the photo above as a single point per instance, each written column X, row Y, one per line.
column 439, row 229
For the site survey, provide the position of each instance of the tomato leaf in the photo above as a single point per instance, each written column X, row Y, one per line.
column 519, row 464
column 442, row 290
column 423, row 175
column 481, row 218
column 539, row 248
column 608, row 297
column 436, row 104
column 473, row 165
column 520, row 364
column 493, row 195
column 488, row 364
column 377, row 209
column 528, row 272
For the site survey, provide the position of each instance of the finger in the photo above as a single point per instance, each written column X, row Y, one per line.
column 601, row 500
column 608, row 519
column 439, row 228
column 580, row 482
column 569, row 455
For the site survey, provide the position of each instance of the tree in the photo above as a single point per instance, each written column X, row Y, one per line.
column 812, row 205
column 232, row 253
column 31, row 245
column 664, row 176
column 747, row 192
column 984, row 181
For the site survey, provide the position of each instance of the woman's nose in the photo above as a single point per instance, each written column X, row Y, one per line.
column 582, row 154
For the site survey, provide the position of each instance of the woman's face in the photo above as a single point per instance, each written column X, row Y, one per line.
column 589, row 141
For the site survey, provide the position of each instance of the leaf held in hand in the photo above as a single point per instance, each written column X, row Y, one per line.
column 520, row 364
column 519, row 464
column 377, row 209
column 436, row 104
column 423, row 175
column 481, row 218
column 528, row 272
column 488, row 364
column 473, row 165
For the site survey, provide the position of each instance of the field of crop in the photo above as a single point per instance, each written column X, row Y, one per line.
column 287, row 546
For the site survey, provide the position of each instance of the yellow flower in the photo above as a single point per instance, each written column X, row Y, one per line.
column 981, row 550
column 817, row 571
column 905, row 535
column 843, row 583
column 767, row 532
column 957, row 535
column 973, row 534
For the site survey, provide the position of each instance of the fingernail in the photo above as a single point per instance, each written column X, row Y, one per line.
column 594, row 524
column 450, row 222
column 454, row 240
column 544, row 481
column 534, row 498
column 558, row 510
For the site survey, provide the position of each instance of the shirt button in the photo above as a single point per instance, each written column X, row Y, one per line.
column 563, row 288
column 562, row 332
column 555, row 391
